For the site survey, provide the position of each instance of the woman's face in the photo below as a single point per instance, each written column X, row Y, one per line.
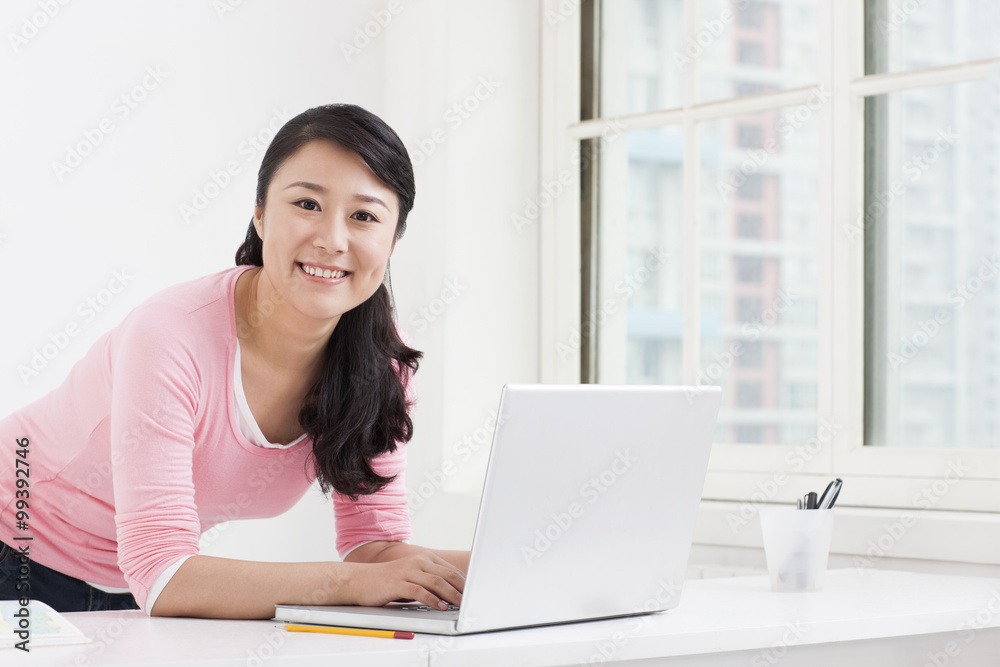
column 328, row 227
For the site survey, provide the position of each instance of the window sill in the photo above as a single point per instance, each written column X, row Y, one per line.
column 869, row 534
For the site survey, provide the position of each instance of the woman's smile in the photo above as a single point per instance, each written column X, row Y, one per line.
column 329, row 276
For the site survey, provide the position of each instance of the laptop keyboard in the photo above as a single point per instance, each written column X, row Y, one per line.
column 423, row 607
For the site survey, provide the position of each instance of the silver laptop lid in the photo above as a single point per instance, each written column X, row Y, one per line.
column 589, row 504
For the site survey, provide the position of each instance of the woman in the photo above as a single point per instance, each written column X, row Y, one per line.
column 225, row 397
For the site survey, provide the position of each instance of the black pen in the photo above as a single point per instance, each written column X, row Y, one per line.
column 827, row 503
column 826, row 493
column 811, row 500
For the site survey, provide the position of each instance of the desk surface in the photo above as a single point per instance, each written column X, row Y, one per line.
column 735, row 617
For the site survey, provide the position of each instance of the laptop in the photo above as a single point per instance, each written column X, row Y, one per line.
column 587, row 511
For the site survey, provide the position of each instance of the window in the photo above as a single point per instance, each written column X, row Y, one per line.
column 749, row 225
column 751, row 88
column 748, row 433
column 751, row 186
column 748, row 395
column 845, row 238
column 748, row 308
column 750, row 270
column 928, row 231
column 750, row 136
column 751, row 16
column 752, row 355
column 751, row 53
column 750, row 46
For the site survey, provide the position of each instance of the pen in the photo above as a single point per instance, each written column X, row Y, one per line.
column 828, row 501
column 828, row 492
column 388, row 634
column 811, row 500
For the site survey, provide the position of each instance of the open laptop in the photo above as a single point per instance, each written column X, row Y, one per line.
column 587, row 512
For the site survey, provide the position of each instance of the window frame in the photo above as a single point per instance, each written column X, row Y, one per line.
column 884, row 482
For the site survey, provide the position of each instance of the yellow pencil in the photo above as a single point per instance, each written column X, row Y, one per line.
column 388, row 634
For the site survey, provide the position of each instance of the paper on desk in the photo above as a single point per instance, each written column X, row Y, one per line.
column 47, row 626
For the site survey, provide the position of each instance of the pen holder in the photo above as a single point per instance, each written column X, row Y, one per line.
column 797, row 546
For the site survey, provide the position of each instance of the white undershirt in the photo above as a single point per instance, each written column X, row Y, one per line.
column 250, row 429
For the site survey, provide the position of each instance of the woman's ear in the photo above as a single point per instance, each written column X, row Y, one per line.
column 258, row 221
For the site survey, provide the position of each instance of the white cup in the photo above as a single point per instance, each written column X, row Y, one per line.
column 796, row 545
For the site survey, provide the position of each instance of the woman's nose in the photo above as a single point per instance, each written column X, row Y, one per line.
column 334, row 236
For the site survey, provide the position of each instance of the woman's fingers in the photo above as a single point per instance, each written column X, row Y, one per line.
column 424, row 577
column 439, row 582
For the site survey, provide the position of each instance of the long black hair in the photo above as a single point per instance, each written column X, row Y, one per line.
column 358, row 408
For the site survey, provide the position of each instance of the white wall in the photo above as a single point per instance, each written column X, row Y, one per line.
column 464, row 280
column 477, row 164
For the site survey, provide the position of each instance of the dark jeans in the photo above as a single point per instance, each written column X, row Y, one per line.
column 59, row 591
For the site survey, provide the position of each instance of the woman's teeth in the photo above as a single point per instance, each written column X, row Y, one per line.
column 322, row 273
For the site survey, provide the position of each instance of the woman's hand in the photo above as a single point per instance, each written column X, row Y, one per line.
column 423, row 576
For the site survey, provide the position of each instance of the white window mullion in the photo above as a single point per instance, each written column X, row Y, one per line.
column 826, row 190
column 558, row 227
column 891, row 82
column 846, row 181
column 691, row 167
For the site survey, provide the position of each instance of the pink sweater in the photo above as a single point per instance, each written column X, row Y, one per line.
column 139, row 451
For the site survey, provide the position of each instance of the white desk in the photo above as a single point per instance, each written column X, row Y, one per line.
column 862, row 618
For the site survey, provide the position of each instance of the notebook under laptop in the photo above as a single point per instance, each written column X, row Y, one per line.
column 587, row 511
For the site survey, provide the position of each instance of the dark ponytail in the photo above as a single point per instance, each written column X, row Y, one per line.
column 357, row 409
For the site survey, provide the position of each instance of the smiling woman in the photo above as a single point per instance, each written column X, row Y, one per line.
column 227, row 396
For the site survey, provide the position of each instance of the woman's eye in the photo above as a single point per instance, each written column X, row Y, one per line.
column 365, row 216
column 308, row 204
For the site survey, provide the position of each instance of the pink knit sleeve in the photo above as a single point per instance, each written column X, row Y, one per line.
column 382, row 516
column 155, row 389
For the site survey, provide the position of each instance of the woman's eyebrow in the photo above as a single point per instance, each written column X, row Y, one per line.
column 306, row 184
column 370, row 199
